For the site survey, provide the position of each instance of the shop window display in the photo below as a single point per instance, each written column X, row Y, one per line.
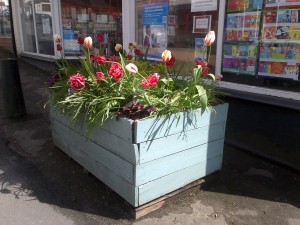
column 179, row 26
column 262, row 40
column 91, row 18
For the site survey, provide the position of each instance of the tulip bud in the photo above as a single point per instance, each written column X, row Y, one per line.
column 57, row 38
column 88, row 42
column 131, row 68
column 130, row 46
column 118, row 47
column 80, row 40
column 166, row 56
column 209, row 38
column 219, row 77
column 59, row 47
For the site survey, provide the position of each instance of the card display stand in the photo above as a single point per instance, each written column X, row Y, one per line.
column 262, row 38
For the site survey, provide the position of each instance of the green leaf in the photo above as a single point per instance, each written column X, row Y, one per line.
column 203, row 97
column 212, row 76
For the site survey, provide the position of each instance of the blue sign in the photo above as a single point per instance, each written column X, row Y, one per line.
column 70, row 42
column 156, row 13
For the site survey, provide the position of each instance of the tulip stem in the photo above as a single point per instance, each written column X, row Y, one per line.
column 209, row 54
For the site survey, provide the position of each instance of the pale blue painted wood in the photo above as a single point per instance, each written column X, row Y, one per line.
column 174, row 181
column 171, row 144
column 126, row 190
column 171, row 156
column 121, row 128
column 110, row 141
column 79, row 145
column 157, row 127
column 166, row 165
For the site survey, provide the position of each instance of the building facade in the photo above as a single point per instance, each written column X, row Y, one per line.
column 257, row 47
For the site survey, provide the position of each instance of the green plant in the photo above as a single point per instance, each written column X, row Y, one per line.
column 100, row 88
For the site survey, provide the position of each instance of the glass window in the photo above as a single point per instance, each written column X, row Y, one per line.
column 181, row 29
column 27, row 23
column 43, row 23
column 261, row 43
column 36, row 22
column 5, row 28
column 91, row 18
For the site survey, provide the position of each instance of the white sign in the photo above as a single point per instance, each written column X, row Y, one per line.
column 202, row 23
column 204, row 5
column 71, row 46
column 46, row 26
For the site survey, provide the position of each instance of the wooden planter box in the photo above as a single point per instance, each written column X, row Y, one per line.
column 146, row 159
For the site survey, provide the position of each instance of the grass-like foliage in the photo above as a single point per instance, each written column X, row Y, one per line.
column 100, row 88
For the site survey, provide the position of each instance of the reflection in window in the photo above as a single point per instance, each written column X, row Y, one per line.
column 43, row 22
column 91, row 18
column 27, row 23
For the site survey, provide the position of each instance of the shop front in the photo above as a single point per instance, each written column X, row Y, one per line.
column 257, row 48
column 39, row 20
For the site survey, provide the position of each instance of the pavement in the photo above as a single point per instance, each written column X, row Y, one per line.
column 39, row 184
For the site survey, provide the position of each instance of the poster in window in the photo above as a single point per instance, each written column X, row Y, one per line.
column 242, row 26
column 281, row 25
column 281, row 61
column 242, row 5
column 240, row 58
column 171, row 20
column 201, row 24
column 171, row 30
column 282, row 3
column 155, row 29
column 66, row 23
column 46, row 26
column 71, row 45
column 200, row 49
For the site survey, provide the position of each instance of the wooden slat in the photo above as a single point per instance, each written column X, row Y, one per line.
column 171, row 182
column 157, row 127
column 110, row 141
column 171, row 144
column 166, row 165
column 158, row 203
column 78, row 145
column 116, row 183
column 121, row 128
